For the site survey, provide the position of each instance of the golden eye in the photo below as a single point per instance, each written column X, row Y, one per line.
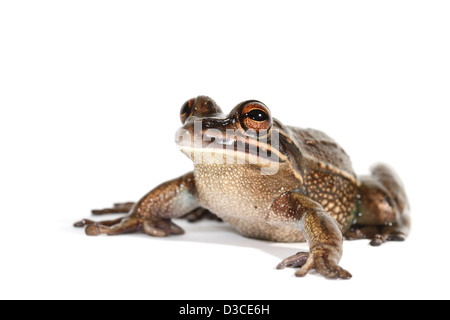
column 186, row 110
column 255, row 116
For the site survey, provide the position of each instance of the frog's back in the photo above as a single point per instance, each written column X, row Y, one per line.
column 318, row 149
column 327, row 173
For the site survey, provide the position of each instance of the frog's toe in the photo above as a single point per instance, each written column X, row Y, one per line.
column 109, row 227
column 117, row 208
column 295, row 261
column 378, row 240
column 176, row 230
column 200, row 214
column 325, row 263
column 389, row 235
column 88, row 223
column 330, row 270
column 83, row 223
column 162, row 228
column 93, row 230
column 335, row 272
column 397, row 237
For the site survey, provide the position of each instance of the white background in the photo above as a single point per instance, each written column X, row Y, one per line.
column 90, row 93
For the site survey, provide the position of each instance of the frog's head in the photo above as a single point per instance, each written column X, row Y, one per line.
column 247, row 135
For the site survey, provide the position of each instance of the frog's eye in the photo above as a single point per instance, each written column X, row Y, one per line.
column 254, row 115
column 186, row 110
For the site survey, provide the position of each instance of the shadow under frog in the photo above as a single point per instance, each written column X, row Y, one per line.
column 270, row 182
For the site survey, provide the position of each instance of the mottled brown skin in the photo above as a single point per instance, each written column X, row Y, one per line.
column 312, row 196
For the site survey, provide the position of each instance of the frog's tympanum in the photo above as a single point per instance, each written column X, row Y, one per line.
column 270, row 182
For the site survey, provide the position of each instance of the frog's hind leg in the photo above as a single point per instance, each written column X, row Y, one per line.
column 117, row 208
column 383, row 209
column 128, row 224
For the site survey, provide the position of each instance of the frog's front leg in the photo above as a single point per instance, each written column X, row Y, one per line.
column 198, row 214
column 321, row 231
column 153, row 213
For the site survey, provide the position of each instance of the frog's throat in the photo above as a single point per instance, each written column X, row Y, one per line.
column 220, row 156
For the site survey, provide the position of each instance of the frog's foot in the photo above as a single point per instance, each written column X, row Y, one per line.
column 130, row 224
column 323, row 259
column 200, row 214
column 376, row 234
column 296, row 261
column 117, row 208
column 110, row 227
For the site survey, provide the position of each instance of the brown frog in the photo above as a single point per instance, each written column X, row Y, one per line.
column 270, row 182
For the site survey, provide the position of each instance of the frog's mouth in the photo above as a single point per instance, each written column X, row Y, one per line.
column 218, row 148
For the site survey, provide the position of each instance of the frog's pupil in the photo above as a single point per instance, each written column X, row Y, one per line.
column 258, row 115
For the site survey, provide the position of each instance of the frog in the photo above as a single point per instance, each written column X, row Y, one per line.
column 279, row 183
